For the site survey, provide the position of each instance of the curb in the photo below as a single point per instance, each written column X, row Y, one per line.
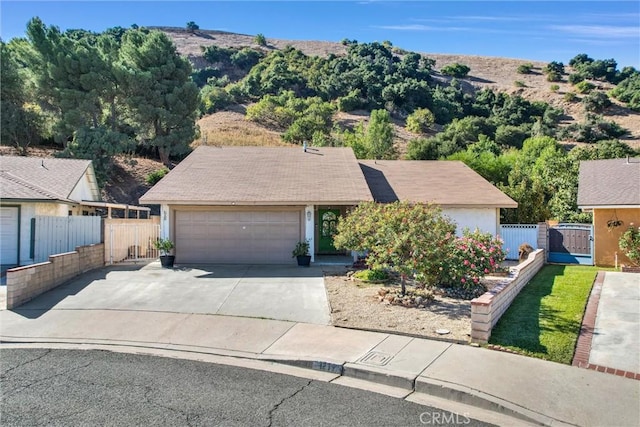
column 409, row 382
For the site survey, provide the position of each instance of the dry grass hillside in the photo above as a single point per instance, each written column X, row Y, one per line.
column 229, row 127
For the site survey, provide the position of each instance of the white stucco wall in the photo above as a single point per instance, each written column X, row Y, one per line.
column 86, row 189
column 486, row 219
column 309, row 229
column 165, row 222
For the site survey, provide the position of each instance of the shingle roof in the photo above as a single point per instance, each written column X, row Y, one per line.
column 446, row 183
column 38, row 178
column 614, row 182
column 263, row 176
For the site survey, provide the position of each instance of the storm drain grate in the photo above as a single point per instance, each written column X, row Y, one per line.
column 377, row 358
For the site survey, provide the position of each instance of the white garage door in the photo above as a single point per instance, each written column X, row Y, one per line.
column 237, row 237
column 9, row 236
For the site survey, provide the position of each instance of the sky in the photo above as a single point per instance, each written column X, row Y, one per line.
column 533, row 30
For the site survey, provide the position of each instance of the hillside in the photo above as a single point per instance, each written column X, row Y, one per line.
column 492, row 72
column 373, row 67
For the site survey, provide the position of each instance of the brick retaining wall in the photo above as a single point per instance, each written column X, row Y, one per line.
column 487, row 309
column 26, row 283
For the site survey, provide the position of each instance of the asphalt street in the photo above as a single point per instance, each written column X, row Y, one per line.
column 92, row 387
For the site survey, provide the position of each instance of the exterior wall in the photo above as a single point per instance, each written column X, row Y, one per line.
column 26, row 283
column 309, row 228
column 606, row 240
column 487, row 309
column 486, row 219
column 85, row 189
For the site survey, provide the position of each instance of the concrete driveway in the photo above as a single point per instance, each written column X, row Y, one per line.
column 287, row 293
column 616, row 337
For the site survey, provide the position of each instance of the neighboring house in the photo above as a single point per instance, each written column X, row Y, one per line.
column 611, row 190
column 253, row 204
column 464, row 196
column 31, row 186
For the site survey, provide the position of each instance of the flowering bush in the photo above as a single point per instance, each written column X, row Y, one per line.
column 474, row 255
column 630, row 243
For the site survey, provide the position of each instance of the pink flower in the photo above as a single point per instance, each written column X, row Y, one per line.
column 463, row 280
column 473, row 266
column 486, row 270
column 466, row 262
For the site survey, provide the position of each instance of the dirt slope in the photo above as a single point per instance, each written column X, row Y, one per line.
column 493, row 72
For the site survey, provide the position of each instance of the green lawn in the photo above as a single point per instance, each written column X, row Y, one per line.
column 544, row 319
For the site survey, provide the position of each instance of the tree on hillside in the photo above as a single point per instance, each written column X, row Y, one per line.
column 192, row 26
column 375, row 141
column 20, row 122
column 163, row 99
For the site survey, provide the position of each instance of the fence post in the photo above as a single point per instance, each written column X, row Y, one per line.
column 111, row 244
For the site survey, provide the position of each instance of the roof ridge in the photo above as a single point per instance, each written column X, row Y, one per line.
column 17, row 180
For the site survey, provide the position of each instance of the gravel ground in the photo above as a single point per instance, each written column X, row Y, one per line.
column 355, row 304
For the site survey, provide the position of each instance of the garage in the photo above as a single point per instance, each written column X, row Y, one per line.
column 265, row 236
column 9, row 226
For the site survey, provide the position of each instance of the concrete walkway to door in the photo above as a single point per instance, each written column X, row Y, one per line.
column 282, row 292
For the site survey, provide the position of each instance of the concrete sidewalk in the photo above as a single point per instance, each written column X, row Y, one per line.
column 530, row 389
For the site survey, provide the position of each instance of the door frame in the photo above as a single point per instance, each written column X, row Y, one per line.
column 321, row 210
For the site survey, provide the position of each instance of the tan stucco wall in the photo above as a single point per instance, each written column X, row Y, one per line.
column 606, row 240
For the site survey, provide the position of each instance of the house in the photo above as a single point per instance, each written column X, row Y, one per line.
column 31, row 186
column 464, row 196
column 611, row 190
column 253, row 204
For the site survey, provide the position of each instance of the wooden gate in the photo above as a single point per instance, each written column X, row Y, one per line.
column 571, row 244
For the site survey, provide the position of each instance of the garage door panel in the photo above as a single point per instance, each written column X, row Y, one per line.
column 236, row 236
column 9, row 233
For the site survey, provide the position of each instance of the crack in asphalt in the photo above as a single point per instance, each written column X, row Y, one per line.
column 284, row 399
column 46, row 352
column 187, row 416
column 41, row 380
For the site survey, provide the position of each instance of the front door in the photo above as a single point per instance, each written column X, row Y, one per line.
column 328, row 223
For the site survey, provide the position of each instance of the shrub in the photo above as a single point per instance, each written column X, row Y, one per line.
column 596, row 102
column 260, row 39
column 570, row 96
column 519, row 83
column 554, row 88
column 350, row 102
column 420, row 121
column 155, row 176
column 455, row 70
column 554, row 67
column 213, row 98
column 373, row 275
column 474, row 255
column 525, row 68
column 554, row 77
column 575, row 78
column 585, row 87
column 630, row 243
column 628, row 91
